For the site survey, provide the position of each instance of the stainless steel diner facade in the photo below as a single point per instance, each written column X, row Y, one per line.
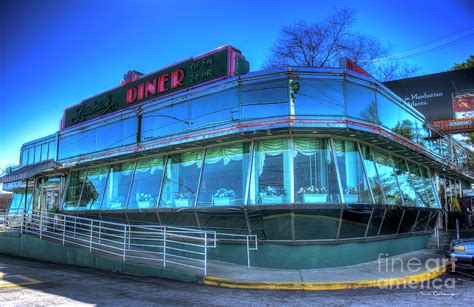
column 295, row 155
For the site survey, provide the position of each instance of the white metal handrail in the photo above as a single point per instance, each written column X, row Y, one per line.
column 185, row 247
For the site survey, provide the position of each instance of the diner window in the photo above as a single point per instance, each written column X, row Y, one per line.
column 93, row 191
column 361, row 103
column 24, row 157
column 353, row 182
column 181, row 180
column 418, row 185
column 315, row 172
column 374, row 180
column 52, row 151
column 272, row 175
column 205, row 112
column 16, row 202
column 31, row 155
column 406, row 186
column 224, row 175
column 388, row 178
column 146, row 183
column 37, row 153
column 118, row 186
column 44, row 152
column 265, row 100
column 430, row 189
column 73, row 193
column 319, row 97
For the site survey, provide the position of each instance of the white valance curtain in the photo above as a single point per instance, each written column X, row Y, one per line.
column 226, row 154
column 151, row 166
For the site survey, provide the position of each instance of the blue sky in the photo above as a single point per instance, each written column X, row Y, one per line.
column 56, row 53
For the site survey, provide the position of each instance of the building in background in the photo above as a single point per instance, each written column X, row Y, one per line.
column 322, row 164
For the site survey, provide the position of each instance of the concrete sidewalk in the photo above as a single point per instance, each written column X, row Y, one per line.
column 407, row 268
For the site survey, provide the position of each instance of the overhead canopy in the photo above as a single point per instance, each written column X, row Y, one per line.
column 29, row 171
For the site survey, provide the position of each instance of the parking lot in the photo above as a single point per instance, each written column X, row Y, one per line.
column 26, row 282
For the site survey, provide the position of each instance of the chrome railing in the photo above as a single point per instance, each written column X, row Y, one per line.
column 168, row 245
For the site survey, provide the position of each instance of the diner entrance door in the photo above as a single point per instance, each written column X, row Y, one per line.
column 50, row 201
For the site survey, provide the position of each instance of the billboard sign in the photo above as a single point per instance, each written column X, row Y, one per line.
column 441, row 96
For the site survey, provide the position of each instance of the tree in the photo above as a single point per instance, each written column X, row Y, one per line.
column 322, row 44
column 469, row 63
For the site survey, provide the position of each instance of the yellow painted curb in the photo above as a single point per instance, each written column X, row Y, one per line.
column 26, row 281
column 320, row 286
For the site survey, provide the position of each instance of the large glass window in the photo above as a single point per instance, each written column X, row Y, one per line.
column 181, row 180
column 37, row 153
column 24, row 157
column 319, row 97
column 433, row 200
column 418, row 185
column 374, row 180
column 406, row 186
column 271, row 176
column 118, row 186
column 146, row 183
column 224, row 176
column 387, row 178
column 353, row 182
column 73, row 194
column 266, row 99
column 205, row 112
column 315, row 172
column 16, row 202
column 93, row 190
column 31, row 155
column 44, row 152
column 52, row 151
column 361, row 102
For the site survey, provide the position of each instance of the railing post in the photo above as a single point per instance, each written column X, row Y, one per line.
column 64, row 228
column 248, row 252
column 41, row 225
column 90, row 237
column 129, row 235
column 100, row 229
column 124, row 242
column 164, row 247
column 205, row 254
column 75, row 221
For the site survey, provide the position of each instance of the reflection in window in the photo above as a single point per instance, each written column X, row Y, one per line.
column 118, row 186
column 388, row 178
column 15, row 203
column 93, row 190
column 76, row 181
column 319, row 97
column 353, row 182
column 224, row 175
column 315, row 172
column 433, row 201
column 374, row 180
column 20, row 205
column 181, row 180
column 403, row 177
column 44, row 152
column 418, row 185
column 24, row 157
column 265, row 99
column 146, row 183
column 361, row 102
column 31, row 155
column 271, row 176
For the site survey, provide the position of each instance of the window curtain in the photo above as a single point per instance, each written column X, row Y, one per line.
column 271, row 148
column 152, row 165
column 229, row 153
column 190, row 158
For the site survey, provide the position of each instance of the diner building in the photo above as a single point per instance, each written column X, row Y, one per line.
column 325, row 165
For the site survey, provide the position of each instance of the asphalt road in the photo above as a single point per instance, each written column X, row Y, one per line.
column 63, row 285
